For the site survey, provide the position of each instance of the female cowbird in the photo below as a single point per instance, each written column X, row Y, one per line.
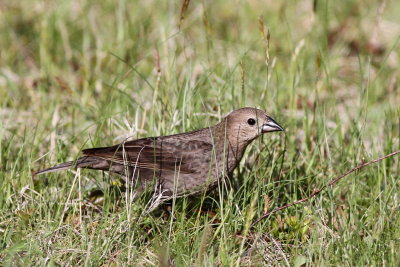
column 180, row 164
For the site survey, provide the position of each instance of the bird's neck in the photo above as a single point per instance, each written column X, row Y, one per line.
column 229, row 149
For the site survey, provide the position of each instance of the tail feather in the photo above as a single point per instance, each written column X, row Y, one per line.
column 58, row 167
column 83, row 162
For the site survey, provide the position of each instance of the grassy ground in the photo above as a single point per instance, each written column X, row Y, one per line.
column 77, row 74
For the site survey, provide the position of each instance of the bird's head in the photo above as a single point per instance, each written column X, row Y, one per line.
column 246, row 124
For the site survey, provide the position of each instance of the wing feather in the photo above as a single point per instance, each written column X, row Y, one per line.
column 154, row 153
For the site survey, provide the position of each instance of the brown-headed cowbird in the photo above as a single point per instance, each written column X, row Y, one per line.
column 180, row 164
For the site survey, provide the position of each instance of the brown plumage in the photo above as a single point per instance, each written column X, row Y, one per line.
column 180, row 164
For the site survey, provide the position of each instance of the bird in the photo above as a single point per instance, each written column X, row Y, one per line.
column 179, row 164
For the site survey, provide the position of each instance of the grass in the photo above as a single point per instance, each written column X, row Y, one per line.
column 80, row 74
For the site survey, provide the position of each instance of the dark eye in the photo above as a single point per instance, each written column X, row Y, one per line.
column 251, row 121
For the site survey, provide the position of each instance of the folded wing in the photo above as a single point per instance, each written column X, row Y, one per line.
column 157, row 154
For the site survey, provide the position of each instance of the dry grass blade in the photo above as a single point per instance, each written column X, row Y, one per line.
column 266, row 36
column 318, row 191
column 185, row 6
column 204, row 243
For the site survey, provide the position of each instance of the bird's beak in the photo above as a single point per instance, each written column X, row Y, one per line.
column 271, row 126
